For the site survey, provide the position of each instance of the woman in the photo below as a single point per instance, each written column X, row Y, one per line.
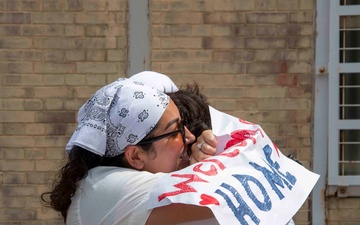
column 128, row 133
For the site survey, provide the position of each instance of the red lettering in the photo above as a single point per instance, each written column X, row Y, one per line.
column 231, row 154
column 277, row 149
column 183, row 186
column 260, row 130
column 208, row 200
column 245, row 122
column 235, row 142
column 239, row 137
column 212, row 171
column 219, row 163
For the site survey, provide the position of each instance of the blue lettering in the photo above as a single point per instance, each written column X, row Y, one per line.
column 240, row 211
column 273, row 176
column 267, row 150
column 244, row 180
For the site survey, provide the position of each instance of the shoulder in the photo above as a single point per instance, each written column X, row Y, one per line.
column 117, row 181
column 111, row 194
column 114, row 175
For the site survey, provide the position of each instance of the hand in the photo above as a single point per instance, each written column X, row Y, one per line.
column 204, row 147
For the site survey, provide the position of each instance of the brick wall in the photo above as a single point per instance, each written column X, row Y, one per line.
column 343, row 211
column 254, row 59
column 53, row 55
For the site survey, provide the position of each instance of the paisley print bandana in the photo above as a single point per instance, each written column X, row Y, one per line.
column 156, row 80
column 119, row 114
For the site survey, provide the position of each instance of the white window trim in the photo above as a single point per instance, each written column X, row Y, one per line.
column 321, row 149
column 335, row 124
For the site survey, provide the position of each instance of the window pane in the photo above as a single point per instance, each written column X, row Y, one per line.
column 349, row 152
column 349, row 2
column 349, row 39
column 349, row 96
column 349, row 56
column 349, row 169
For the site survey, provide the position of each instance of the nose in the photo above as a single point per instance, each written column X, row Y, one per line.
column 189, row 137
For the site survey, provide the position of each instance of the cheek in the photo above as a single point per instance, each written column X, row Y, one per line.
column 171, row 146
column 177, row 146
column 169, row 153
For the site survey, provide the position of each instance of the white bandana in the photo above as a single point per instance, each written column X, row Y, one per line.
column 119, row 114
column 156, row 80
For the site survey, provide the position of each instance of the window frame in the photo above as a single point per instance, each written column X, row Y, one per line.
column 335, row 124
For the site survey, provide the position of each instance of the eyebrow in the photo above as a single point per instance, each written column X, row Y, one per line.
column 172, row 122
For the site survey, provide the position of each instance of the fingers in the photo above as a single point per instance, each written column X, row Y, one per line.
column 202, row 153
column 206, row 142
column 208, row 137
column 204, row 147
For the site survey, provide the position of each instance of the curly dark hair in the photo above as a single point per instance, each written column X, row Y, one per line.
column 80, row 161
column 194, row 110
column 78, row 164
column 193, row 107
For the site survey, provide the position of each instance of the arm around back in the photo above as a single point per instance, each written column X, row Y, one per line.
column 178, row 213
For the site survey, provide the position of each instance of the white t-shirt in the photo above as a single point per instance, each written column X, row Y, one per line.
column 215, row 222
column 112, row 195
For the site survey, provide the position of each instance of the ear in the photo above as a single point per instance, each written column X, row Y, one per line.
column 135, row 157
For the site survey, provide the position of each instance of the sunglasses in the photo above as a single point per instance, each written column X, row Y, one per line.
column 181, row 130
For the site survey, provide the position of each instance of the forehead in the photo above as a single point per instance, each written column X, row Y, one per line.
column 171, row 112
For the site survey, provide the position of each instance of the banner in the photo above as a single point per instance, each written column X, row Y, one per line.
column 249, row 181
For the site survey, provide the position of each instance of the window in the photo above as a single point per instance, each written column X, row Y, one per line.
column 344, row 93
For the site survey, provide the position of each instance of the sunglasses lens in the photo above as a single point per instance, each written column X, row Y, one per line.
column 181, row 130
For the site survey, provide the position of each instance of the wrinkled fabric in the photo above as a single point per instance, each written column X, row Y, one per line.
column 156, row 80
column 116, row 116
column 112, row 196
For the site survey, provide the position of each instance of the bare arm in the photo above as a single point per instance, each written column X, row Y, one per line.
column 178, row 213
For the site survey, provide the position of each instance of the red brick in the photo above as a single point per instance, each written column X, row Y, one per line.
column 286, row 80
column 267, row 67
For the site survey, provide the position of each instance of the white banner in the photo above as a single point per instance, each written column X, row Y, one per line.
column 249, row 181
